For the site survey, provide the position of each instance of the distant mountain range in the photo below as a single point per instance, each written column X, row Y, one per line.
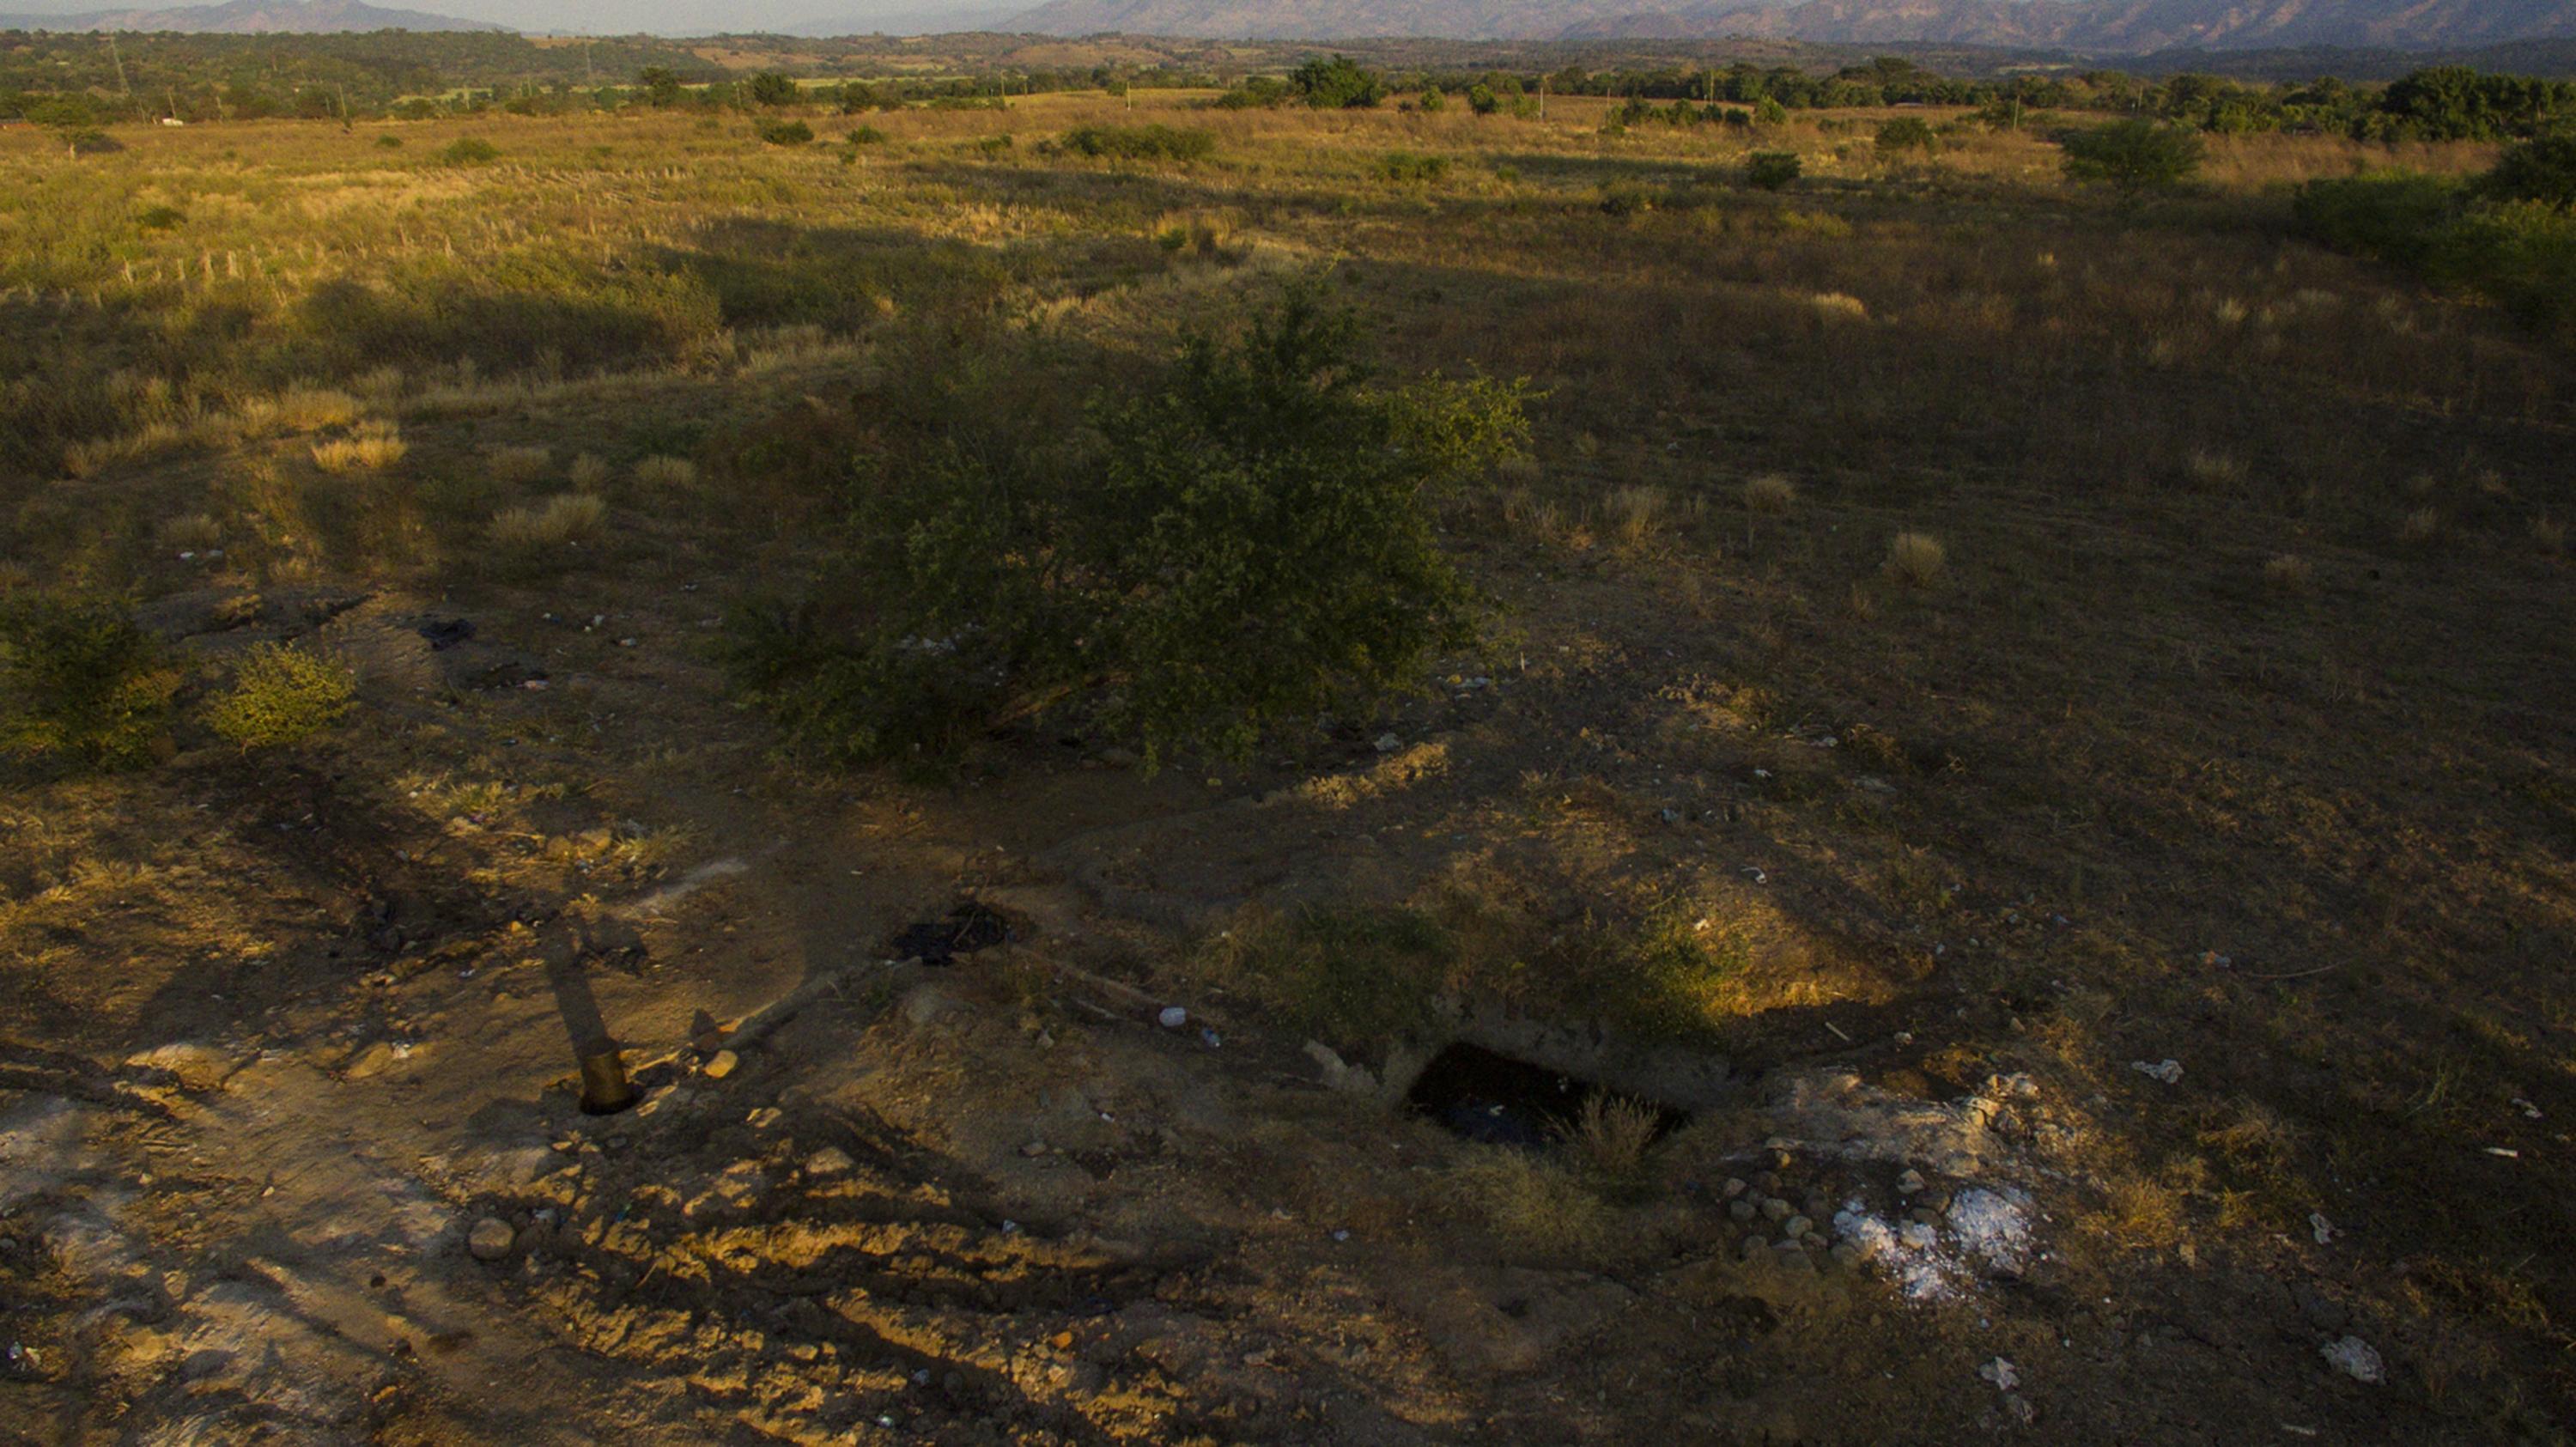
column 2121, row 27
column 251, row 17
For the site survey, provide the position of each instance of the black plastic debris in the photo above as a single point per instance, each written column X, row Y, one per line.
column 446, row 633
column 968, row 928
column 1492, row 1099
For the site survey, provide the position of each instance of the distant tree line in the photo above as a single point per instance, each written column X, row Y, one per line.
column 80, row 80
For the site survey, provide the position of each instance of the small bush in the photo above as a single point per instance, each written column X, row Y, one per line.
column 389, row 143
column 1898, row 136
column 282, row 695
column 1773, row 170
column 588, row 473
column 470, row 151
column 785, row 133
column 373, row 447
column 1769, row 493
column 1406, row 166
column 867, row 136
column 519, row 464
column 549, row 525
column 2289, row 572
column 1916, row 559
column 80, row 684
column 666, row 472
column 2541, row 170
column 160, row 218
column 1611, row 1134
column 2134, row 156
column 1138, row 143
column 1534, row 1204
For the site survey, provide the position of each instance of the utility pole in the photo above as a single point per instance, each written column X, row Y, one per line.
column 113, row 54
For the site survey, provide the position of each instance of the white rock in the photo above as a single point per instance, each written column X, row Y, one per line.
column 829, row 1161
column 2168, row 1071
column 1173, row 1017
column 2355, row 1358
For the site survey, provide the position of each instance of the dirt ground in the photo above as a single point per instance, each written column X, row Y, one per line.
column 2150, row 1016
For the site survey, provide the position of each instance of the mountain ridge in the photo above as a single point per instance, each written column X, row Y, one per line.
column 253, row 17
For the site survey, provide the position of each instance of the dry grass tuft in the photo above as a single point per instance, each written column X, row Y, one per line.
column 2289, row 572
column 2421, row 526
column 1916, row 560
column 1637, row 512
column 1770, row 493
column 666, row 472
column 558, row 521
column 1837, row 306
column 1535, row 1205
column 297, row 409
column 2550, row 534
column 374, row 447
column 1611, row 1134
column 2213, row 470
column 519, row 464
column 194, row 533
column 588, row 473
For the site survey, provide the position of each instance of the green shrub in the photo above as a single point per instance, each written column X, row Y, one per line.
column 1406, row 166
column 1906, row 134
column 160, row 218
column 81, row 684
column 389, row 143
column 867, row 136
column 1250, row 544
column 1340, row 975
column 1772, row 170
column 769, row 88
column 282, row 695
column 1261, row 92
column 2521, row 253
column 1433, row 102
column 470, row 151
column 1138, row 143
column 2135, row 155
column 2542, row 170
column 1337, row 84
column 786, row 133
column 1482, row 100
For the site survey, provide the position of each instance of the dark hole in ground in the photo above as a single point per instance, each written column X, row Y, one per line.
column 1495, row 1100
column 968, row 928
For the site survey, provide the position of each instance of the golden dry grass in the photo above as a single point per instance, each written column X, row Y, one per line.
column 549, row 525
column 666, row 473
column 1916, row 560
column 521, row 463
column 373, row 447
column 1769, row 493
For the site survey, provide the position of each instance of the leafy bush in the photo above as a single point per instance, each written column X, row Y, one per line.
column 1906, row 134
column 1772, row 170
column 867, row 136
column 1337, row 84
column 1250, row 545
column 769, row 88
column 786, row 133
column 1138, row 143
column 1406, row 166
column 2135, row 155
column 1261, row 92
column 282, row 695
column 470, row 151
column 1433, row 102
column 2542, row 170
column 160, row 218
column 2522, row 253
column 81, row 684
column 1482, row 100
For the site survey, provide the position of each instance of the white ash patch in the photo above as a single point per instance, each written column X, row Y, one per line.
column 1986, row 1232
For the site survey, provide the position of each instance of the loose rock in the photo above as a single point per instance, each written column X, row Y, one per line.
column 491, row 1239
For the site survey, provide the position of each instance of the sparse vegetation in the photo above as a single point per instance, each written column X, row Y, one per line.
column 80, row 684
column 550, row 526
column 1773, row 170
column 282, row 695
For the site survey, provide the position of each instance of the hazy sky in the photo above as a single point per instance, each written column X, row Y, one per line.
column 613, row 17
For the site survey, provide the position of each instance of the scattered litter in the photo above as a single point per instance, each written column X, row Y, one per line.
column 968, row 928
column 1341, row 1235
column 2354, row 1358
column 1754, row 873
column 2216, row 961
column 2001, row 1372
column 2321, row 1228
column 1173, row 1017
column 2504, row 1151
column 2168, row 1071
column 1388, row 743
column 1210, row 1039
column 2529, row 1111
